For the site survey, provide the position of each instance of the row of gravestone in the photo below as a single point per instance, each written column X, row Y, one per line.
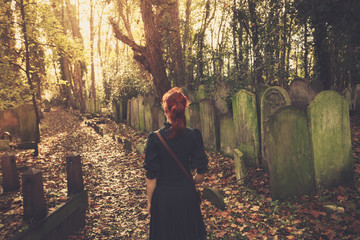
column 304, row 147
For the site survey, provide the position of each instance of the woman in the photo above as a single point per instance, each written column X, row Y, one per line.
column 173, row 201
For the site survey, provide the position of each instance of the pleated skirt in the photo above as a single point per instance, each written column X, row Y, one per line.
column 175, row 213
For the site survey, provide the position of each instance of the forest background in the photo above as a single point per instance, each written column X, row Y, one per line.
column 71, row 50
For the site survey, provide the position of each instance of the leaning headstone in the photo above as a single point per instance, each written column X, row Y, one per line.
column 227, row 135
column 272, row 99
column 141, row 113
column 27, row 122
column 215, row 197
column 209, row 128
column 301, row 92
column 192, row 114
column 148, row 117
column 246, row 126
column 239, row 166
column 331, row 140
column 10, row 175
column 75, row 182
column 220, row 95
column 33, row 195
column 288, row 149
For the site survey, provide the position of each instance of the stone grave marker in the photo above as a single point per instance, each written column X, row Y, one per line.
column 239, row 166
column 27, row 122
column 155, row 117
column 74, row 174
column 192, row 114
column 357, row 98
column 209, row 128
column 10, row 175
column 301, row 92
column 331, row 140
column 289, row 153
column 128, row 112
column 148, row 117
column 227, row 135
column 115, row 110
column 161, row 117
column 221, row 93
column 215, row 197
column 246, row 126
column 201, row 93
column 141, row 112
column 348, row 97
column 272, row 99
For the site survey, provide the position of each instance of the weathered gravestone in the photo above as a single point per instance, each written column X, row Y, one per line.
column 301, row 92
column 209, row 128
column 134, row 113
column 10, row 175
column 221, row 93
column 192, row 114
column 246, row 126
column 155, row 117
column 141, row 112
column 331, row 140
column 288, row 149
column 227, row 135
column 239, row 166
column 27, row 122
column 201, row 93
column 128, row 112
column 215, row 197
column 33, row 194
column 148, row 117
column 161, row 117
column 348, row 97
column 115, row 107
column 74, row 174
column 271, row 100
column 9, row 121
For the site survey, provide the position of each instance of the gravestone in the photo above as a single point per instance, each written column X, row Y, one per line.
column 9, row 121
column 209, row 128
column 87, row 106
column 289, row 153
column 134, row 113
column 246, row 126
column 201, row 93
column 27, row 122
column 141, row 112
column 317, row 85
column 75, row 182
column 148, row 117
column 33, row 195
column 192, row 114
column 220, row 97
column 301, row 92
column 331, row 140
column 240, row 170
column 161, row 117
column 128, row 112
column 272, row 99
column 115, row 110
column 215, row 197
column 227, row 135
column 10, row 175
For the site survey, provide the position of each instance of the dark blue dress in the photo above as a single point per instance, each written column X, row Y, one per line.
column 175, row 209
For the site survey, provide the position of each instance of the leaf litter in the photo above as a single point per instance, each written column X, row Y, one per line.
column 115, row 181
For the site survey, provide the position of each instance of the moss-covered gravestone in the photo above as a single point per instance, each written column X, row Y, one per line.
column 27, row 122
column 246, row 126
column 227, row 136
column 208, row 124
column 271, row 100
column 201, row 93
column 331, row 140
column 289, row 153
column 141, row 113
column 148, row 117
column 128, row 112
column 192, row 114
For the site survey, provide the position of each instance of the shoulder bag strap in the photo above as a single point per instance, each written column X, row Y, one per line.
column 174, row 156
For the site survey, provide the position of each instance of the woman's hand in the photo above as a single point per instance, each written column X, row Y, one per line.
column 199, row 178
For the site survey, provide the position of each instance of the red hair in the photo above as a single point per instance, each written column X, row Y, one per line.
column 174, row 103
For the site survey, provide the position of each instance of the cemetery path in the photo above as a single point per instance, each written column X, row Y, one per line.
column 117, row 197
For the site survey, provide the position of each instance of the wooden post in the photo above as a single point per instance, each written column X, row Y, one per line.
column 75, row 181
column 33, row 194
column 9, row 172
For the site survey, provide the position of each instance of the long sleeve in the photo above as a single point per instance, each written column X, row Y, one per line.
column 152, row 161
column 199, row 160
